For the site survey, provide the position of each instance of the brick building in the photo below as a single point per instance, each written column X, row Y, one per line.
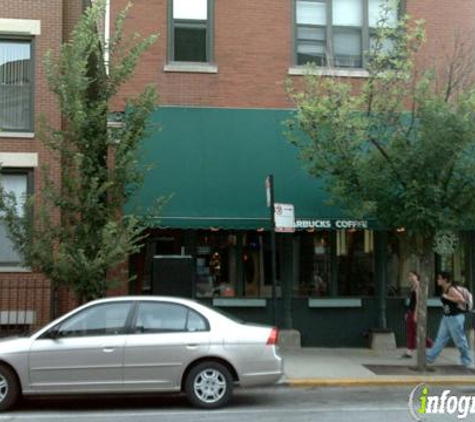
column 28, row 29
column 220, row 67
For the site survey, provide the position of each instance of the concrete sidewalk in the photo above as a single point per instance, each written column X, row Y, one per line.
column 348, row 367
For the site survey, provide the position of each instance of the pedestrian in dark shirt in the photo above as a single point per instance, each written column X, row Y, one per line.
column 411, row 316
column 452, row 323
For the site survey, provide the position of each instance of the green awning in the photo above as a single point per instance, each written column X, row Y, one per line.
column 214, row 163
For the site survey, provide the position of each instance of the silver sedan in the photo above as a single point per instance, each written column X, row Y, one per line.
column 141, row 344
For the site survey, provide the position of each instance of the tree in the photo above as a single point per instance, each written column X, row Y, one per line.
column 74, row 231
column 400, row 149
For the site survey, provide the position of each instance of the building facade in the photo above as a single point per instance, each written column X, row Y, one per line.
column 221, row 68
column 28, row 30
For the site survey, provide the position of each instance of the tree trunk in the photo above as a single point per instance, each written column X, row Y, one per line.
column 422, row 310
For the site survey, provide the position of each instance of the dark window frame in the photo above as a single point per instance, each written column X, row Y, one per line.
column 329, row 56
column 28, row 172
column 31, row 40
column 207, row 24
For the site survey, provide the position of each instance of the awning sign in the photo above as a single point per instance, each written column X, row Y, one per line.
column 284, row 216
column 340, row 224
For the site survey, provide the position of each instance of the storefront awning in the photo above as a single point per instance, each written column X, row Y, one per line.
column 213, row 164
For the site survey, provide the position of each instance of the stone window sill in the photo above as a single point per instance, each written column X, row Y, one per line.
column 190, row 68
column 6, row 134
column 11, row 269
column 345, row 73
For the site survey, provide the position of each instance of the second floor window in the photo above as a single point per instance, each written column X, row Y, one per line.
column 16, row 77
column 190, row 31
column 336, row 33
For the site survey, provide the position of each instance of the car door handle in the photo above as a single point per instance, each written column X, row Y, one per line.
column 108, row 349
column 191, row 346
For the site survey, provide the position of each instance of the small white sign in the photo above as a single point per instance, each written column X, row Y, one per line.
column 284, row 216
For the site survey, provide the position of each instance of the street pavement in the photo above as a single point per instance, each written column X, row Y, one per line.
column 272, row 404
column 367, row 367
column 331, row 385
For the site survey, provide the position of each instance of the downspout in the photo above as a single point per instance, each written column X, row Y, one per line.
column 107, row 24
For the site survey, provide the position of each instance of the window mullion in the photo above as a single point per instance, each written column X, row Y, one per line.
column 171, row 32
column 190, row 24
column 295, row 33
column 210, row 33
column 365, row 32
column 329, row 33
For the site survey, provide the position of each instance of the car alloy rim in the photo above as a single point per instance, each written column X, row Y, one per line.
column 3, row 388
column 210, row 385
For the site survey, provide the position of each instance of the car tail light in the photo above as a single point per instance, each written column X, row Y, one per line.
column 273, row 336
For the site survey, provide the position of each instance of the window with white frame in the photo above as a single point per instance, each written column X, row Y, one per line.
column 336, row 33
column 16, row 84
column 16, row 183
column 190, row 31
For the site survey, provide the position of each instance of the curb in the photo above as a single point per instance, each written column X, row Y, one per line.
column 375, row 382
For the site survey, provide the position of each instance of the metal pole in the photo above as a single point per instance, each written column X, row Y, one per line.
column 289, row 250
column 272, row 245
column 380, row 245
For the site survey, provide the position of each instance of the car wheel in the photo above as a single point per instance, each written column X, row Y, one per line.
column 9, row 388
column 209, row 385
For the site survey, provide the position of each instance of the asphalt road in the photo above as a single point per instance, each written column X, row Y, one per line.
column 266, row 404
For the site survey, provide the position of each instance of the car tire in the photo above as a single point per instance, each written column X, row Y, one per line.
column 9, row 388
column 209, row 385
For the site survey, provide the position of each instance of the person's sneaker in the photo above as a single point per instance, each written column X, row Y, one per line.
column 406, row 356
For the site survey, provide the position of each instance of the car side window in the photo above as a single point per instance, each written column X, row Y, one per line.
column 196, row 322
column 105, row 319
column 167, row 317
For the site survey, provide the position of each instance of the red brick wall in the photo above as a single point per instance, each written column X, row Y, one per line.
column 52, row 16
column 448, row 25
column 71, row 11
column 443, row 19
column 253, row 50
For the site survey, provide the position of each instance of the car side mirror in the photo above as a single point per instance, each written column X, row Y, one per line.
column 53, row 333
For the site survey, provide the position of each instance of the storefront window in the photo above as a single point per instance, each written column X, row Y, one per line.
column 314, row 264
column 236, row 264
column 343, row 257
column 458, row 264
column 253, row 264
column 396, row 281
column 401, row 259
column 355, row 263
column 455, row 263
column 267, row 283
column 216, row 265
column 257, row 264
